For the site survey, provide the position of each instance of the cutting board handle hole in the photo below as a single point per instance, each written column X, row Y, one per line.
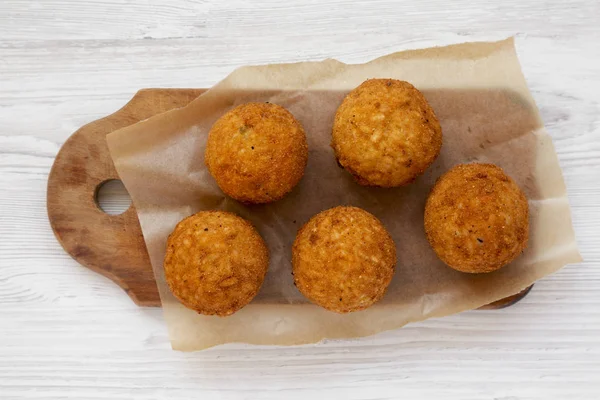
column 112, row 197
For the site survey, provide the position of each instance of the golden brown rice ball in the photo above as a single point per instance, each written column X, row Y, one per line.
column 215, row 262
column 343, row 259
column 257, row 152
column 477, row 218
column 385, row 133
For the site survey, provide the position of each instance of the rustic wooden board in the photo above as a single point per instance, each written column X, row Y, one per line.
column 113, row 245
column 109, row 244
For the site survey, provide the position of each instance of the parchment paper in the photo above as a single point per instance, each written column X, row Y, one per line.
column 487, row 114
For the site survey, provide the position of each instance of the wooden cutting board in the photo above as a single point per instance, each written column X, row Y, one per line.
column 113, row 245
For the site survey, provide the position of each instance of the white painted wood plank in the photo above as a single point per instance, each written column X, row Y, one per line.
column 67, row 332
column 265, row 20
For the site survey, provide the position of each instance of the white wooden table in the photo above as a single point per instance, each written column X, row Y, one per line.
column 66, row 332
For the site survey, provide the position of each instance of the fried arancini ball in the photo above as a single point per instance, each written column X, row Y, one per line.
column 215, row 262
column 257, row 152
column 343, row 259
column 477, row 218
column 385, row 133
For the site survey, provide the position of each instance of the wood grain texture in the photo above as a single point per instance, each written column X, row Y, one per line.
column 112, row 245
column 69, row 333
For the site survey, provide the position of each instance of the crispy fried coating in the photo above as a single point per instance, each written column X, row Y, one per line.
column 477, row 218
column 215, row 262
column 385, row 133
column 343, row 259
column 257, row 152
